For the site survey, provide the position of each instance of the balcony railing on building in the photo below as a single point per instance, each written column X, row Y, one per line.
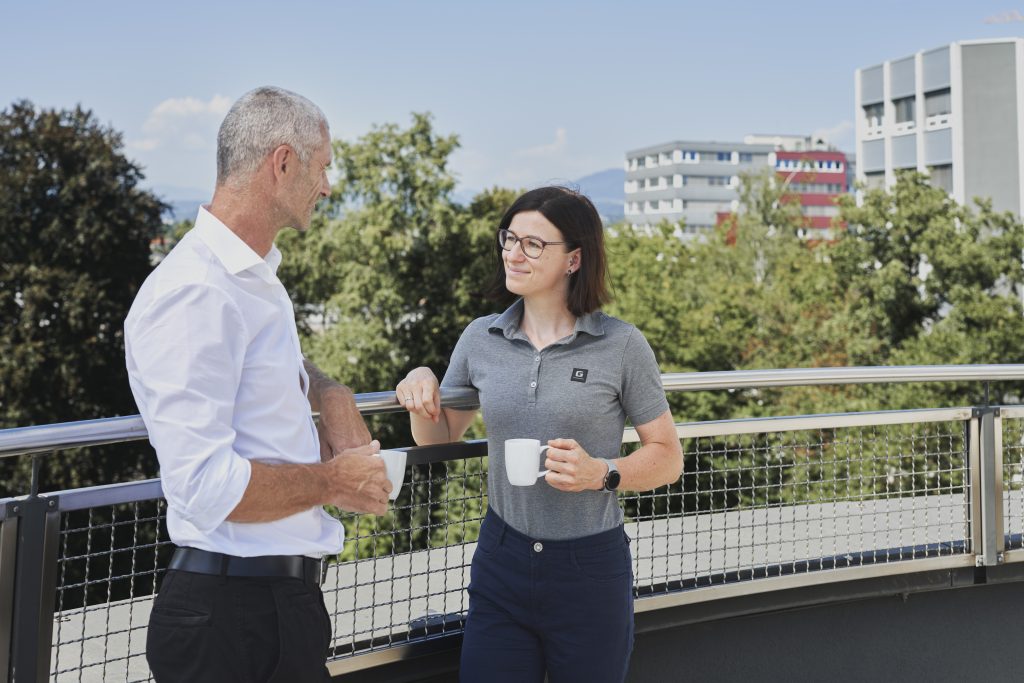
column 765, row 504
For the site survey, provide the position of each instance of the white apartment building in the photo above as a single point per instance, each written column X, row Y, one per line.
column 954, row 112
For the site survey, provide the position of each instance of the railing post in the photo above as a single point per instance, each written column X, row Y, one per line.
column 990, row 488
column 35, row 584
column 8, row 554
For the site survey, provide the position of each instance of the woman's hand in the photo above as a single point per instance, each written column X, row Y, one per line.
column 571, row 468
column 420, row 394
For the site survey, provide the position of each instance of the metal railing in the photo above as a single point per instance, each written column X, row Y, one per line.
column 765, row 504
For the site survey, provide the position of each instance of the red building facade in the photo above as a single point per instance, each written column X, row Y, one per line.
column 815, row 179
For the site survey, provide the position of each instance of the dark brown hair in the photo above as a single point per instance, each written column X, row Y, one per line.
column 576, row 218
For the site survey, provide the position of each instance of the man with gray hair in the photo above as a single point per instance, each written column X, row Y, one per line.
column 215, row 366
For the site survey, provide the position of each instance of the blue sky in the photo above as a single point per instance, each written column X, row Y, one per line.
column 536, row 91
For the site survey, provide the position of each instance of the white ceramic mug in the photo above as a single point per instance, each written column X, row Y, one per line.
column 522, row 460
column 394, row 463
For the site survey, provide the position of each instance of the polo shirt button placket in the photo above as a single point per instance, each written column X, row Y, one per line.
column 536, row 377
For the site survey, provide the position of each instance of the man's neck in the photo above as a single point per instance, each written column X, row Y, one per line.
column 247, row 215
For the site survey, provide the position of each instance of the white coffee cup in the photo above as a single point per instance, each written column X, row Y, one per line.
column 522, row 460
column 394, row 463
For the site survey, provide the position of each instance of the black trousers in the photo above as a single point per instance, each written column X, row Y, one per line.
column 227, row 629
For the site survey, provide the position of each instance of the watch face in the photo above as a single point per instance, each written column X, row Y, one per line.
column 611, row 482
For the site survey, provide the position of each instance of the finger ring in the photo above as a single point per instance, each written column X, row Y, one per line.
column 408, row 398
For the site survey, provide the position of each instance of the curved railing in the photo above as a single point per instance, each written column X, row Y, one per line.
column 765, row 504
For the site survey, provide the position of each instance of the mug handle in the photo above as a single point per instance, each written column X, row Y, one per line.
column 542, row 472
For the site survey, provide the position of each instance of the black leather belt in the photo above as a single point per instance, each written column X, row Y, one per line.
column 264, row 566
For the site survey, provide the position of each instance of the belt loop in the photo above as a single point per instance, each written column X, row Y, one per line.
column 501, row 536
column 224, row 561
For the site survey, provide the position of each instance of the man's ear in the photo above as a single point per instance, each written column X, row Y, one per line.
column 282, row 160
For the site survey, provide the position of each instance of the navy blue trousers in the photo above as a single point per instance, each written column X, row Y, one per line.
column 564, row 608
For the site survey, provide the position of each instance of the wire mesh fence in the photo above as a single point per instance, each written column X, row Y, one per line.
column 110, row 562
column 758, row 505
column 1013, row 481
column 751, row 505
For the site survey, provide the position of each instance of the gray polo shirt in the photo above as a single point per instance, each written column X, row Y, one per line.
column 582, row 387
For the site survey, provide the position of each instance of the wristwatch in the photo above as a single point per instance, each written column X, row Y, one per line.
column 612, row 478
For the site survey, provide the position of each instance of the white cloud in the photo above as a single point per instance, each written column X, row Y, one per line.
column 182, row 121
column 529, row 166
column 840, row 135
column 144, row 144
column 553, row 149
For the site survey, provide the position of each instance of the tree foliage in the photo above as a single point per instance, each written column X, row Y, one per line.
column 75, row 232
column 392, row 264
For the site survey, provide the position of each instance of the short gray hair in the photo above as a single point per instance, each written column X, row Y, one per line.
column 259, row 122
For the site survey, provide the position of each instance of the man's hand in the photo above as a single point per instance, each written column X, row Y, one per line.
column 357, row 480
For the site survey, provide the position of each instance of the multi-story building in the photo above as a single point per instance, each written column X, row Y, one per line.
column 954, row 112
column 815, row 179
column 697, row 183
column 688, row 182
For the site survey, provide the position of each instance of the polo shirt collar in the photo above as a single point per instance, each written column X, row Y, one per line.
column 235, row 255
column 508, row 323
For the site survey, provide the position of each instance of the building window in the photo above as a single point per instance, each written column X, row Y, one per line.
column 937, row 103
column 904, row 109
column 942, row 177
column 718, row 180
column 723, row 156
column 874, row 180
column 827, row 211
column 690, row 156
column 875, row 114
column 746, row 157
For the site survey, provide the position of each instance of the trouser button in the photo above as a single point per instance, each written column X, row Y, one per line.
column 538, row 546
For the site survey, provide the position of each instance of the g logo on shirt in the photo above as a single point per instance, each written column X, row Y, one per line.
column 579, row 375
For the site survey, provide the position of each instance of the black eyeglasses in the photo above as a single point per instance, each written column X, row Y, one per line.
column 531, row 246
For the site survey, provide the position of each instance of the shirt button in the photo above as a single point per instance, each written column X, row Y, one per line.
column 537, row 358
column 533, row 385
column 538, row 546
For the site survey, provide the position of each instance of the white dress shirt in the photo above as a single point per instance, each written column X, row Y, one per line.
column 215, row 366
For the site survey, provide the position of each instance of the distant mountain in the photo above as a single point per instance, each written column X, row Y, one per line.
column 605, row 189
column 184, row 201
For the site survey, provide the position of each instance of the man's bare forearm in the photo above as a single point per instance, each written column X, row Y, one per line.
column 278, row 491
column 354, row 481
column 320, row 384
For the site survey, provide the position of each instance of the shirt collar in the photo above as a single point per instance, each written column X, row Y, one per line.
column 232, row 252
column 508, row 323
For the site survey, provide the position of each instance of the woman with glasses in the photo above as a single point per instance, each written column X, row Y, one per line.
column 551, row 584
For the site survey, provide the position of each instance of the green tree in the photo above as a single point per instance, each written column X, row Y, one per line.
column 75, row 232
column 392, row 265
column 387, row 277
column 929, row 281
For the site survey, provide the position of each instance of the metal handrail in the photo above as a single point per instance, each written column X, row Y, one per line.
column 972, row 544
column 793, row 377
column 45, row 438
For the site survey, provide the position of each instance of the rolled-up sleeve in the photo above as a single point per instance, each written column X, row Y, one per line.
column 185, row 354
